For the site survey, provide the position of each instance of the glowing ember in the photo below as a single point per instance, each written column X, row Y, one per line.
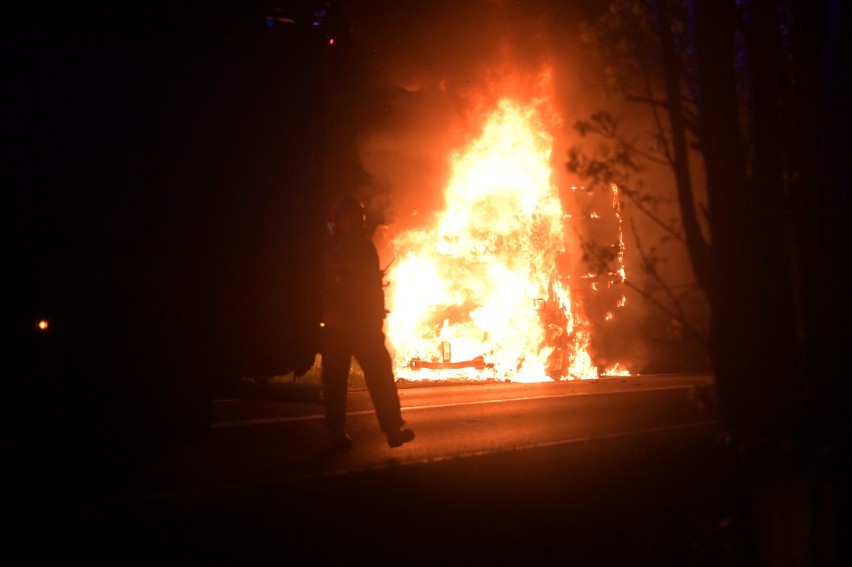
column 481, row 294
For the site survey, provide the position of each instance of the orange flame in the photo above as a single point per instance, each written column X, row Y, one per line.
column 483, row 284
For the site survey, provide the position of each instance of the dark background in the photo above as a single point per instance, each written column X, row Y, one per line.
column 165, row 173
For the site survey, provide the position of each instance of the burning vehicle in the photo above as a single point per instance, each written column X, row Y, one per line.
column 490, row 290
column 439, row 352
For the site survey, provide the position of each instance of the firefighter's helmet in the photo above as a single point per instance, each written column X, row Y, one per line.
column 346, row 205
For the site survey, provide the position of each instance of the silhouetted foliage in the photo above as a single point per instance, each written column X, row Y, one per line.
column 751, row 89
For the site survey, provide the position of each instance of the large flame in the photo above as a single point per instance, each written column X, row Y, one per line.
column 484, row 292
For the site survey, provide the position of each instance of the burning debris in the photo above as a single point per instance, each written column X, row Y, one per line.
column 488, row 291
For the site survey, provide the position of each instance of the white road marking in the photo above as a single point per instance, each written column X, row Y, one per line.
column 291, row 419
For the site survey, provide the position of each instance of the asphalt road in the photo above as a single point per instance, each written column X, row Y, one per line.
column 619, row 469
column 451, row 422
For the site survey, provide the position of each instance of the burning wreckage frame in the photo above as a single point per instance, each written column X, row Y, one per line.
column 557, row 338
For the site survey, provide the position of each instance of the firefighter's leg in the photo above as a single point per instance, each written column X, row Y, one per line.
column 336, row 360
column 375, row 361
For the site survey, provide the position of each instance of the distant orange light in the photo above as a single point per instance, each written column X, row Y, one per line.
column 42, row 325
column 331, row 41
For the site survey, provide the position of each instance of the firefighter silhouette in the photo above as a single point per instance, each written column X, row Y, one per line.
column 354, row 313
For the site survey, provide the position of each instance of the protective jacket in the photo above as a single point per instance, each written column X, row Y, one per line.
column 354, row 285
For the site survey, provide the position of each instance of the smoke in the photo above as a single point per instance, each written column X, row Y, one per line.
column 435, row 65
column 437, row 62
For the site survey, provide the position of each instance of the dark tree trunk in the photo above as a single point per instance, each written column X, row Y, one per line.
column 699, row 253
column 780, row 291
column 732, row 213
column 753, row 344
column 821, row 193
column 821, row 190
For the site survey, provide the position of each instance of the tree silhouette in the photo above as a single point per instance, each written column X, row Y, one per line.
column 746, row 97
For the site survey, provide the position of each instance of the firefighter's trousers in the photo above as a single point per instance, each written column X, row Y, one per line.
column 368, row 348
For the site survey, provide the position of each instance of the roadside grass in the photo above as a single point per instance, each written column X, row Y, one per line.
column 312, row 377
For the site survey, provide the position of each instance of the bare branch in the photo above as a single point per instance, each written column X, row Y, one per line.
column 677, row 312
column 633, row 195
column 646, row 100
